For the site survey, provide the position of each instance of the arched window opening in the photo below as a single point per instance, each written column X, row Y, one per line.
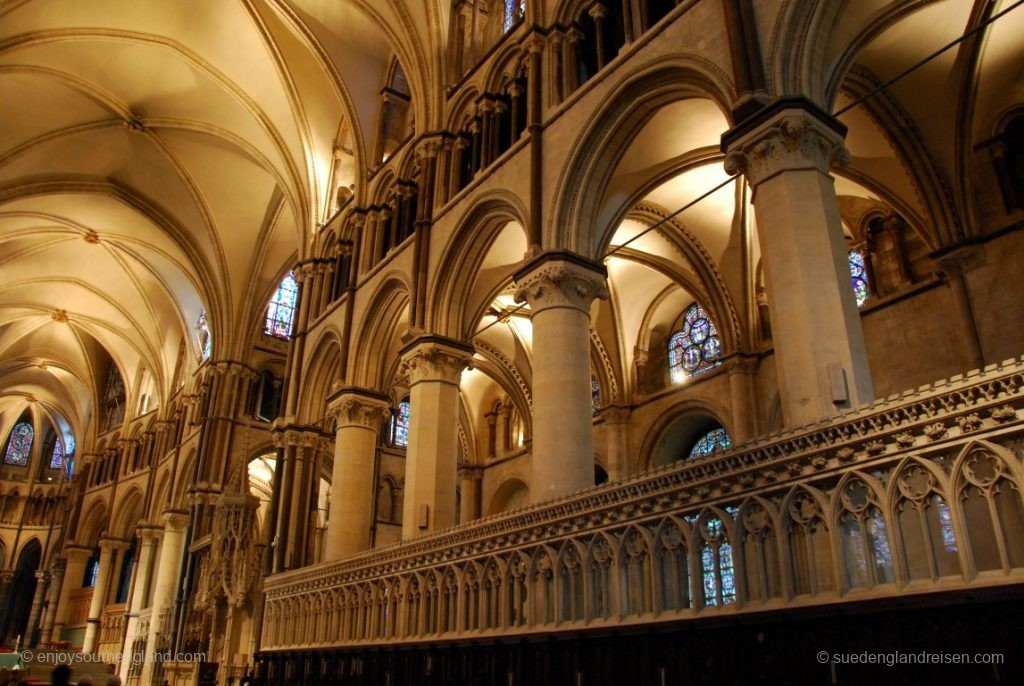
column 92, row 569
column 864, row 538
column 69, row 455
column 714, row 441
column 395, row 113
column 400, row 425
column 203, row 333
column 695, row 348
column 57, row 457
column 124, row 581
column 477, row 26
column 1010, row 165
column 587, row 50
column 266, row 397
column 281, row 310
column 859, row 276
column 595, row 396
column 113, row 399
column 655, row 11
column 717, row 567
column 514, row 11
column 19, row 445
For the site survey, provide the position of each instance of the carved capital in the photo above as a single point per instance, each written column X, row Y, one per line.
column 613, row 414
column 174, row 520
column 357, row 407
column 961, row 260
column 561, row 280
column 79, row 553
column 112, row 544
column 433, row 358
column 790, row 139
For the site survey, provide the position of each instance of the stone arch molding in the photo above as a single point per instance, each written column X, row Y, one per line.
column 608, row 133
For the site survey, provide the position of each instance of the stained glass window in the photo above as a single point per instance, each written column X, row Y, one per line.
column 880, row 545
column 595, row 395
column 713, row 441
column 281, row 310
column 859, row 274
column 717, row 568
column 69, row 455
column 57, row 458
column 514, row 9
column 19, row 445
column 205, row 339
column 707, row 563
column 92, row 570
column 695, row 348
column 945, row 525
column 725, row 569
column 400, row 425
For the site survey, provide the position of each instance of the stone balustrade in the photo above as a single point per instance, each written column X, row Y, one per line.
column 112, row 627
column 915, row 494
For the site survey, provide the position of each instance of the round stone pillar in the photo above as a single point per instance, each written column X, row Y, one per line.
column 77, row 557
column 99, row 592
column 560, row 287
column 53, row 598
column 147, row 535
column 359, row 415
column 785, row 151
column 433, row 366
column 171, row 549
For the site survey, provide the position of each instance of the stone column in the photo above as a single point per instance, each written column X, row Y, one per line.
column 53, row 599
column 434, row 367
column 616, row 422
column 147, row 540
column 359, row 414
column 785, row 151
column 560, row 287
column 502, row 440
column 6, row 581
column 166, row 583
column 598, row 12
column 42, row 584
column 470, row 479
column 74, row 574
column 99, row 592
column 954, row 266
column 741, row 396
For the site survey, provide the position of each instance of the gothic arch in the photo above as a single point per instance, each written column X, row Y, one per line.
column 323, row 370
column 607, row 135
column 93, row 523
column 129, row 510
column 702, row 414
column 379, row 326
column 512, row 490
column 460, row 265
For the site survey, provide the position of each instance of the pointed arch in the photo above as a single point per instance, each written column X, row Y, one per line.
column 606, row 136
column 378, row 332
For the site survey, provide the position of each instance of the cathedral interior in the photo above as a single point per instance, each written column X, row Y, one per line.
column 513, row 342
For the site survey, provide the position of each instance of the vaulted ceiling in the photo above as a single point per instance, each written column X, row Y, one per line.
column 160, row 159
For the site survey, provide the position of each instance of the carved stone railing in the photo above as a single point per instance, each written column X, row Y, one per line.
column 136, row 645
column 918, row 493
column 78, row 612
column 112, row 627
